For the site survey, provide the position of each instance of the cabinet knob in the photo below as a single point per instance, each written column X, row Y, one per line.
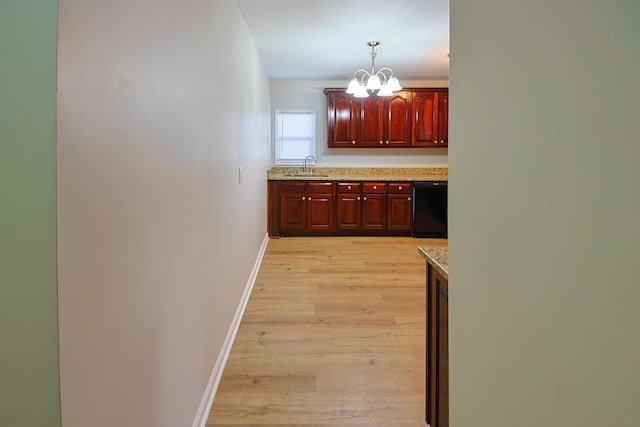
column 364, row 198
column 353, row 142
column 348, row 187
column 375, row 187
column 304, row 198
column 400, row 187
column 442, row 141
column 358, row 198
column 380, row 142
column 387, row 142
column 409, row 198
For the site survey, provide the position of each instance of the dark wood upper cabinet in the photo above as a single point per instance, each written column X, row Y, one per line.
column 443, row 118
column 430, row 119
column 397, row 120
column 369, row 129
column 408, row 118
column 341, row 120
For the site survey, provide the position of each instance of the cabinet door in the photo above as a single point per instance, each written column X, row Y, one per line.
column 424, row 119
column 342, row 111
column 293, row 211
column 443, row 118
column 348, row 211
column 320, row 212
column 369, row 126
column 374, row 211
column 397, row 120
column 437, row 386
column 443, row 354
column 399, row 212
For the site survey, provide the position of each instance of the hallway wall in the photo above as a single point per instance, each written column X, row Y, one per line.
column 543, row 213
column 29, row 380
column 159, row 104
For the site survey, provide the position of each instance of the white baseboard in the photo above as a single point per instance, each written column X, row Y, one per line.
column 218, row 368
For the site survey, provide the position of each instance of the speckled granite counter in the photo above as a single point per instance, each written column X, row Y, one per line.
column 438, row 257
column 360, row 174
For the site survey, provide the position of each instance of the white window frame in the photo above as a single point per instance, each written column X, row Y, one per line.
column 279, row 139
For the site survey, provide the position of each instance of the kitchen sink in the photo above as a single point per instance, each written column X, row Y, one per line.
column 309, row 174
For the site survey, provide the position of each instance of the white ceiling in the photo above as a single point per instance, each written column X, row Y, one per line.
column 327, row 39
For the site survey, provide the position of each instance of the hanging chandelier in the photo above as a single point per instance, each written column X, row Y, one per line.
column 382, row 80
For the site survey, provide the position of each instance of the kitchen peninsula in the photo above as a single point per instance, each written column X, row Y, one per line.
column 437, row 389
column 344, row 201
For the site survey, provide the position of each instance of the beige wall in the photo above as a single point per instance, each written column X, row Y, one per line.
column 544, row 207
column 159, row 104
column 308, row 94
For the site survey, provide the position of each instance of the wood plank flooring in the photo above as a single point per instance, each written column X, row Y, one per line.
column 333, row 335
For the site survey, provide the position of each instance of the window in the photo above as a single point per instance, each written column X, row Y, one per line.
column 295, row 136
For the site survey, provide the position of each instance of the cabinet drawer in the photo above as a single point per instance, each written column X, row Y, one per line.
column 292, row 187
column 399, row 188
column 320, row 187
column 374, row 187
column 349, row 187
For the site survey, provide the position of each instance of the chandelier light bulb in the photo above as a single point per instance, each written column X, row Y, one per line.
column 385, row 90
column 353, row 86
column 394, row 84
column 361, row 92
column 374, row 82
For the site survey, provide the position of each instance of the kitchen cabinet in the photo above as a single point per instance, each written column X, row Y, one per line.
column 408, row 118
column 437, row 389
column 349, row 206
column 397, row 119
column 399, row 206
column 374, row 206
column 341, row 119
column 373, row 122
column 361, row 206
column 430, row 120
column 309, row 207
column 306, row 207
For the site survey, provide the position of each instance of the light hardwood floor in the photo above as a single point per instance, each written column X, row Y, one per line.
column 333, row 335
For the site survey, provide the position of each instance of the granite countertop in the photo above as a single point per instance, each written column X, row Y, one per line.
column 360, row 174
column 438, row 257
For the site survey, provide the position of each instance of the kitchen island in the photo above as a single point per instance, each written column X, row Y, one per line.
column 437, row 387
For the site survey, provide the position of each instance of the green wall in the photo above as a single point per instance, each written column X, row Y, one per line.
column 29, row 374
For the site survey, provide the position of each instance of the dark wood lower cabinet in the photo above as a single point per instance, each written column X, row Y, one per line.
column 320, row 213
column 299, row 207
column 348, row 206
column 437, row 390
column 399, row 206
column 303, row 208
column 374, row 206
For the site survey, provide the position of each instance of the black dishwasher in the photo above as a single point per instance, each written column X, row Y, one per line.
column 430, row 209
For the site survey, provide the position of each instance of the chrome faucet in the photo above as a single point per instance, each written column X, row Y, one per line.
column 309, row 157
